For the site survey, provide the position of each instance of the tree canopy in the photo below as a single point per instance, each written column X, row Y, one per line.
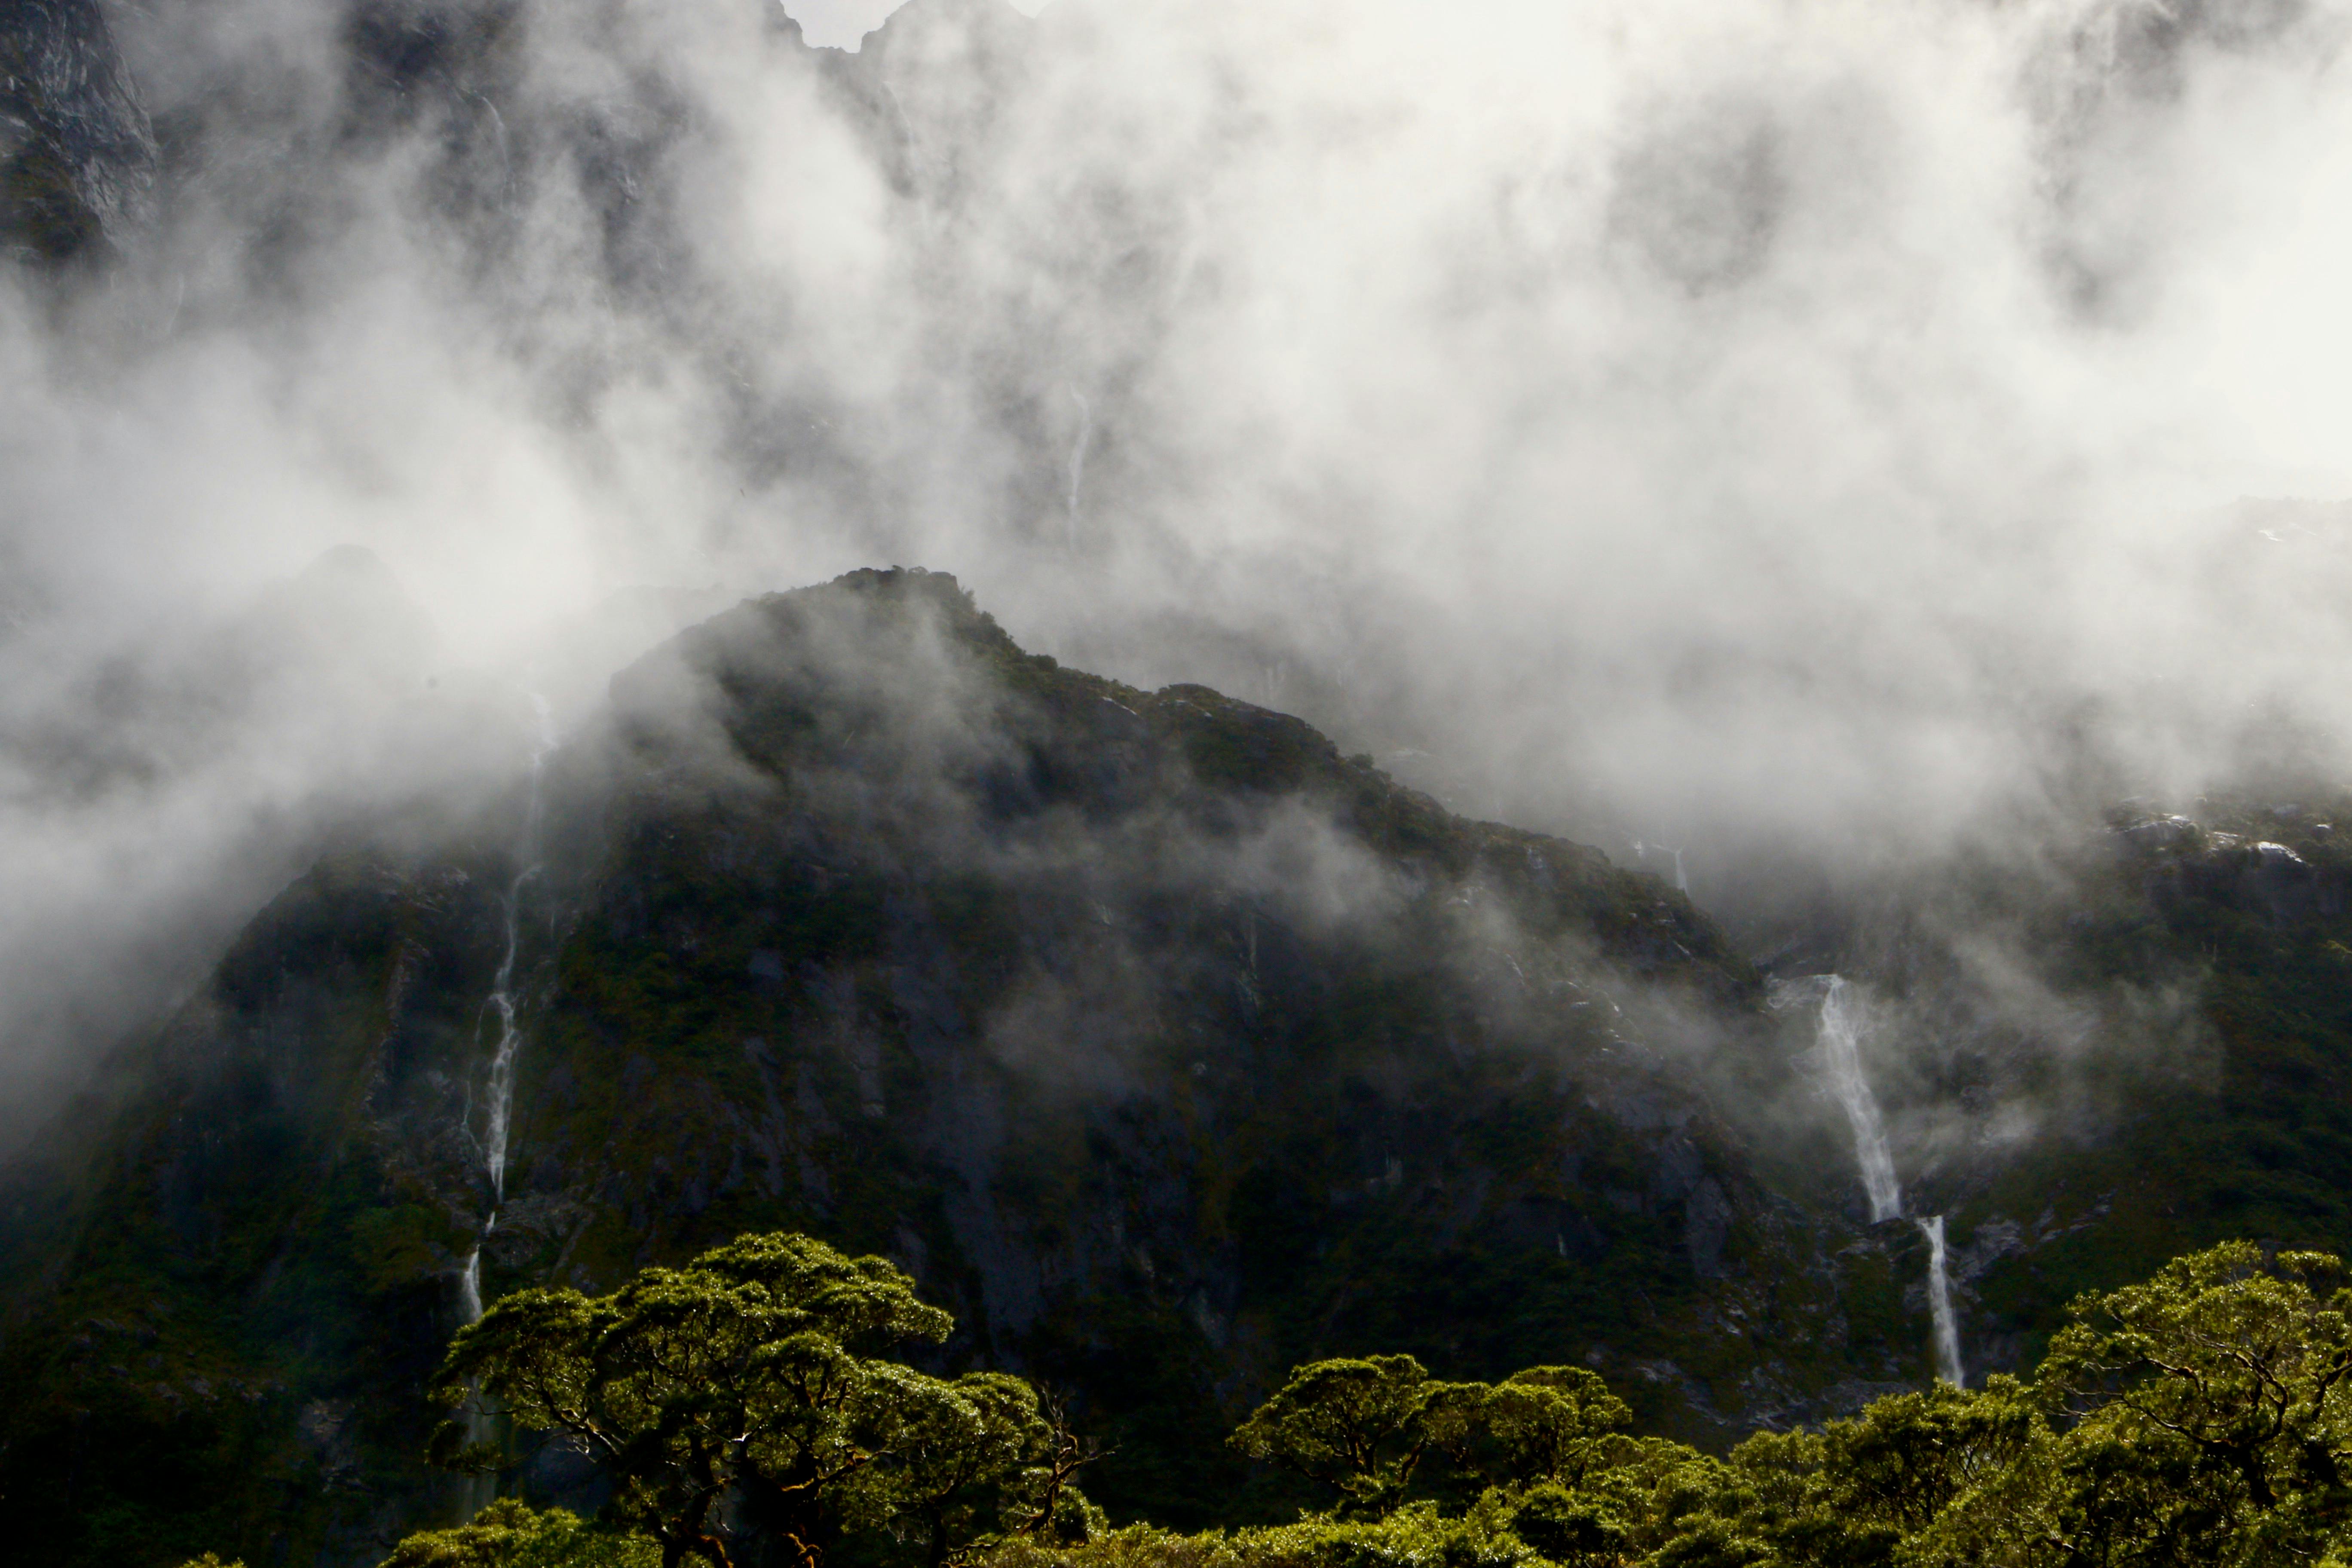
column 749, row 1382
column 2199, row 1417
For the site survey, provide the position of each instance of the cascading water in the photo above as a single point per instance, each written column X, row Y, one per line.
column 1682, row 877
column 1940, row 1303
column 1840, row 1040
column 499, row 1089
column 1840, row 1043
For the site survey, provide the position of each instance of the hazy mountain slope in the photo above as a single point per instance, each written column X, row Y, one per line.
column 1163, row 1043
column 2137, row 1048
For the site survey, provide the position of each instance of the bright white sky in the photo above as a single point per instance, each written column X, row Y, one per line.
column 843, row 24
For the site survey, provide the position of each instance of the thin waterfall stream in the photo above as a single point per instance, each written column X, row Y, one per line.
column 1940, row 1303
column 499, row 1089
column 1682, row 877
column 1840, row 1038
column 1841, row 1042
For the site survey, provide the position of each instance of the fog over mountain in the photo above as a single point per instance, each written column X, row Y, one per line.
column 1812, row 435
column 844, row 24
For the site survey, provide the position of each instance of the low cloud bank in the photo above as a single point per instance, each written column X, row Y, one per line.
column 1814, row 433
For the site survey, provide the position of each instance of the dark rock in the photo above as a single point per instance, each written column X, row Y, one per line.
column 77, row 154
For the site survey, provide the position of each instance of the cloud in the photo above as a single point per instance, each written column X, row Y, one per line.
column 1805, row 429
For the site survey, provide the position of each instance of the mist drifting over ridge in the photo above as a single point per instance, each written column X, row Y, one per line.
column 1817, row 427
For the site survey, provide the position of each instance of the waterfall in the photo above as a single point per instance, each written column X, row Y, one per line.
column 469, row 1286
column 477, row 1492
column 502, row 1002
column 1682, row 879
column 1939, row 1304
column 503, row 1061
column 1840, row 1043
column 1841, row 1040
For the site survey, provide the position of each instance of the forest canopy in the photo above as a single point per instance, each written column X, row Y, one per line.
column 746, row 1409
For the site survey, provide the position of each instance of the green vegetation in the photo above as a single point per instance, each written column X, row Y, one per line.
column 508, row 1534
column 744, row 1382
column 743, row 1413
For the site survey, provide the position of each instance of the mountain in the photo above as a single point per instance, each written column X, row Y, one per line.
column 1161, row 1042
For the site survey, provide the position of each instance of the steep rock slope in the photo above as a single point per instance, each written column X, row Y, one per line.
column 77, row 154
column 1163, row 1043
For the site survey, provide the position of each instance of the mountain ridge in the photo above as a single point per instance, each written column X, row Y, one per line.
column 1161, row 1040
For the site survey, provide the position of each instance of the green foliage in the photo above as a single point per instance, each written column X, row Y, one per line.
column 2198, row 1418
column 2208, row 1423
column 1417, row 1536
column 747, row 1378
column 1352, row 1425
column 964, row 1459
column 1575, row 1530
column 507, row 1534
column 1907, row 1456
column 1550, row 1424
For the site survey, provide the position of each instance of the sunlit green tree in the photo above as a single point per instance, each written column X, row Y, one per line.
column 1353, row 1424
column 508, row 1534
column 749, row 1374
column 1552, row 1424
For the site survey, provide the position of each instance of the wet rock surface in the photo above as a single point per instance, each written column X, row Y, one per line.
column 76, row 153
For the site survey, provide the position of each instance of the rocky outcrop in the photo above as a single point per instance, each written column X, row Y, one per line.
column 77, row 155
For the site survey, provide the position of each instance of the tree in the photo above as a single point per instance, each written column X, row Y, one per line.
column 1352, row 1424
column 507, row 1534
column 2244, row 1361
column 1907, row 1456
column 1047, row 1503
column 1552, row 1424
column 1362, row 1426
column 957, row 1454
column 1571, row 1529
column 741, row 1371
column 2203, row 1421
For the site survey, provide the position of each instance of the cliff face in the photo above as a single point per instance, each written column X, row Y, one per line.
column 85, row 172
column 1161, row 1042
column 77, row 155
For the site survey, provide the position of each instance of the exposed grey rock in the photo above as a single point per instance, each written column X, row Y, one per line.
column 78, row 156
